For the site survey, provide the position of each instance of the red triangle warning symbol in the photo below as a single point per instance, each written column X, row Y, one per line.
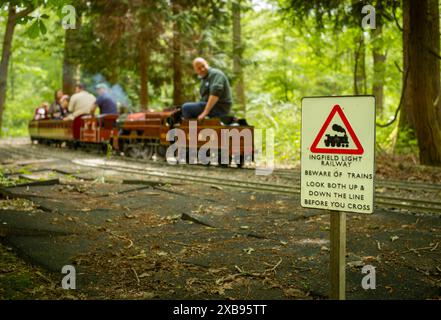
column 337, row 142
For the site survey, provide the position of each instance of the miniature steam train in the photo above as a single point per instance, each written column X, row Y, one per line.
column 138, row 135
column 336, row 140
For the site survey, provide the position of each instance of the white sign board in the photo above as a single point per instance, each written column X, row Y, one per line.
column 338, row 153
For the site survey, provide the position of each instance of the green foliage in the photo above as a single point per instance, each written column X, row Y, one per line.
column 289, row 61
column 34, row 74
column 282, row 117
column 406, row 142
column 109, row 150
column 288, row 54
column 5, row 181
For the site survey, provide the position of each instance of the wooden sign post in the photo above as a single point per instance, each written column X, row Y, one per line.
column 338, row 255
column 337, row 168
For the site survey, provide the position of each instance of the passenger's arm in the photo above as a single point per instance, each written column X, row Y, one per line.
column 217, row 88
column 71, row 106
column 212, row 100
column 92, row 110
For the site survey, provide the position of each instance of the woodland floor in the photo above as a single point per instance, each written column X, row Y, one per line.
column 134, row 236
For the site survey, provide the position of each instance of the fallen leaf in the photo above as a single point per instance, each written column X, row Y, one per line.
column 355, row 264
column 248, row 250
column 148, row 295
column 143, row 275
column 294, row 293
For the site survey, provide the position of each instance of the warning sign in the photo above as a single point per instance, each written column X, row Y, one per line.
column 338, row 145
column 336, row 140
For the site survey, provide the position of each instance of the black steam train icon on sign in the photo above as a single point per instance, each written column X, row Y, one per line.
column 337, row 140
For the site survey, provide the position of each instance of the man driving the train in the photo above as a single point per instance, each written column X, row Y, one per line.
column 215, row 93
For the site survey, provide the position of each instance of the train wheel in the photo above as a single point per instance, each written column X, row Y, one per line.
column 214, row 158
column 141, row 151
column 149, row 151
column 240, row 162
column 245, row 160
column 191, row 156
column 224, row 161
column 161, row 152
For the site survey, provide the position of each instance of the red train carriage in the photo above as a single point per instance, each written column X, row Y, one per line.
column 101, row 129
column 83, row 130
column 48, row 131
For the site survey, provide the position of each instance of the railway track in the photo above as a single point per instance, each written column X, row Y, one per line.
column 289, row 174
column 172, row 174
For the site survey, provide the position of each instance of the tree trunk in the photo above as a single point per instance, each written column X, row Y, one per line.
column 406, row 118
column 143, row 74
column 178, row 98
column 360, row 66
column 115, row 69
column 435, row 51
column 424, row 73
column 69, row 67
column 379, row 59
column 239, row 87
column 72, row 48
column 6, row 54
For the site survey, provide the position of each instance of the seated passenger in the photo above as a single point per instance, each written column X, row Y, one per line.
column 42, row 111
column 80, row 103
column 215, row 93
column 105, row 102
column 64, row 102
column 55, row 108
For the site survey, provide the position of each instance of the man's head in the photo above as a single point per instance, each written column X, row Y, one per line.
column 101, row 88
column 79, row 87
column 201, row 67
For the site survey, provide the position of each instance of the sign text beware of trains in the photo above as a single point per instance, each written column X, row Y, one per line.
column 338, row 153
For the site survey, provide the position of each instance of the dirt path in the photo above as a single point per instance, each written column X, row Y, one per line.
column 156, row 239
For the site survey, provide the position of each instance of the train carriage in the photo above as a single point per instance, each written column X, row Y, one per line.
column 47, row 130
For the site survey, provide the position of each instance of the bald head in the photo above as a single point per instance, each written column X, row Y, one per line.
column 201, row 66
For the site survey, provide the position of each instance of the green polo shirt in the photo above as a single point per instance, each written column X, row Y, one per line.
column 216, row 84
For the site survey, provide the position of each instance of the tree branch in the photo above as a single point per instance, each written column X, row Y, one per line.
column 396, row 19
column 398, row 67
column 22, row 14
column 433, row 52
column 399, row 106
